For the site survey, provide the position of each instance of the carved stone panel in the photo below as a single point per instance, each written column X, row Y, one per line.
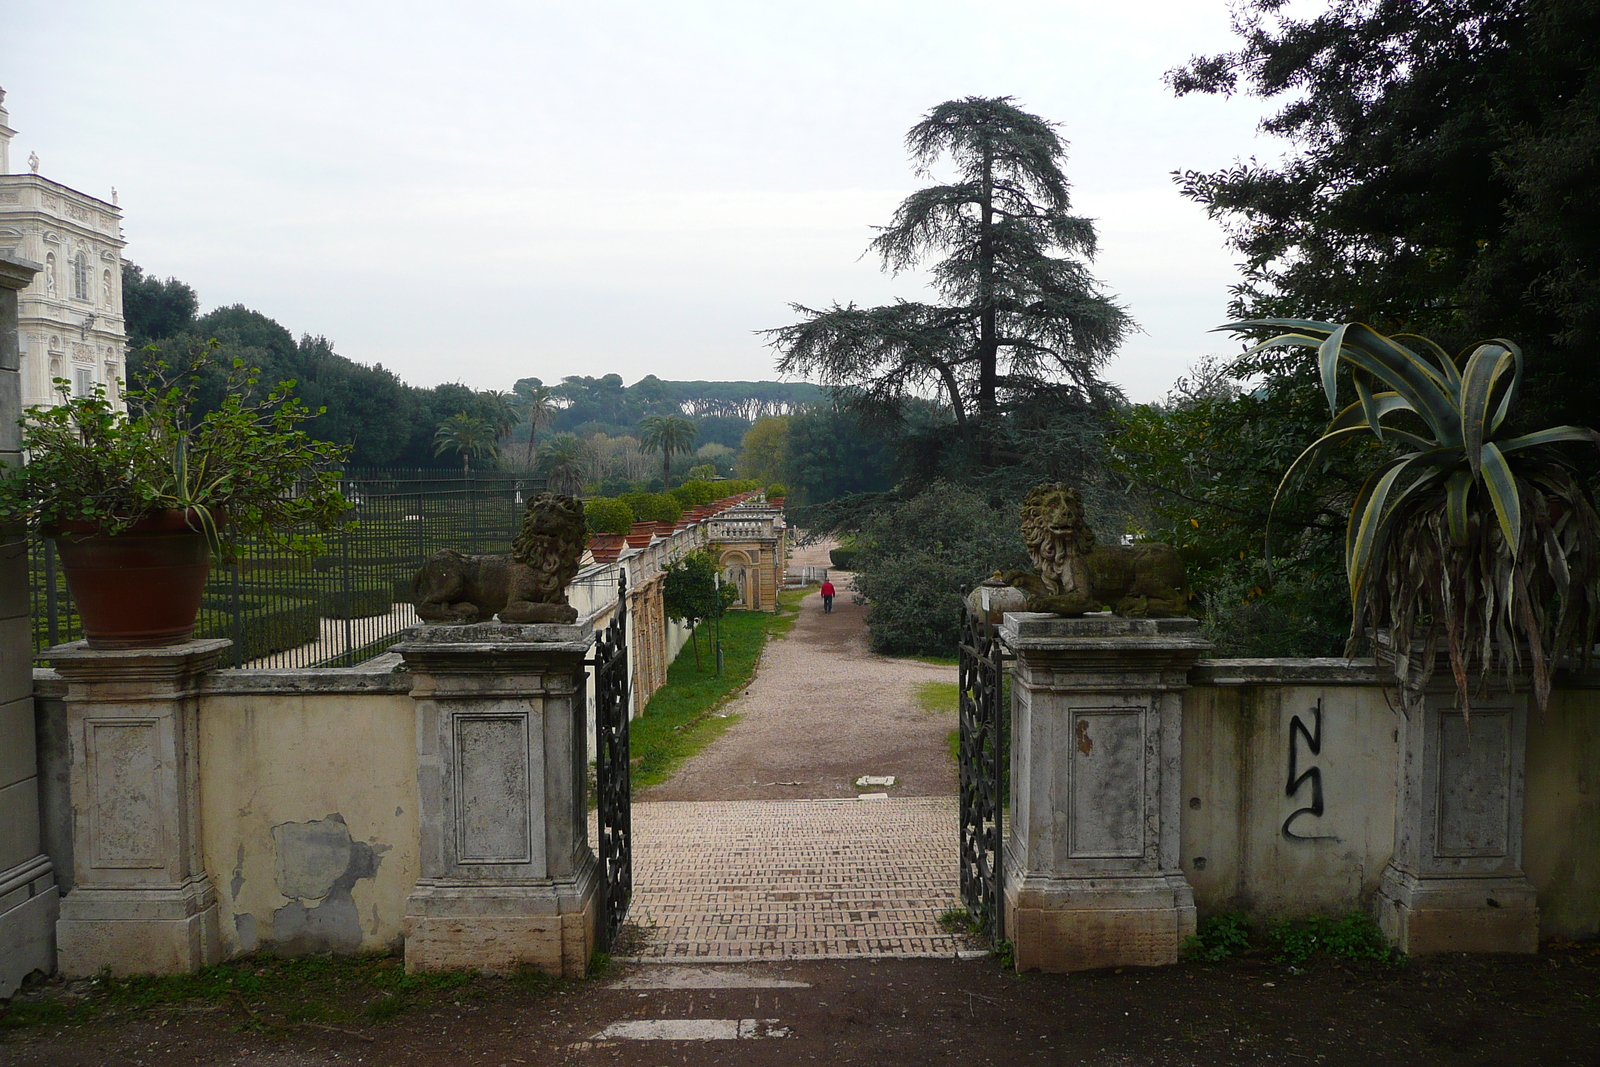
column 1474, row 783
column 125, row 794
column 1108, row 783
column 493, row 820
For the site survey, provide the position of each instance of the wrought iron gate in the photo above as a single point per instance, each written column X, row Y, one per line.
column 983, row 767
column 612, row 788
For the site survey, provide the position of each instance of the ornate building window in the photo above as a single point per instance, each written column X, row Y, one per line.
column 80, row 276
column 82, row 381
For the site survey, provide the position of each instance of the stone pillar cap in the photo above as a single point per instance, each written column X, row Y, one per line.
column 497, row 638
column 1037, row 629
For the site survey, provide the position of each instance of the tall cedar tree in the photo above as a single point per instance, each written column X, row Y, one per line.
column 1447, row 182
column 1017, row 320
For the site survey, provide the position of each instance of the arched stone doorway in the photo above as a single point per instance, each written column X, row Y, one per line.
column 738, row 570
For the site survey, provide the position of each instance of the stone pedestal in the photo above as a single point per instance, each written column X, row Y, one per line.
column 141, row 902
column 28, row 894
column 508, row 877
column 1092, row 876
column 1455, row 882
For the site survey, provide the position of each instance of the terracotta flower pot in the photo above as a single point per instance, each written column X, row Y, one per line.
column 140, row 588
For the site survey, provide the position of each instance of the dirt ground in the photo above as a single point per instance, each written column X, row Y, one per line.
column 822, row 711
column 1448, row 1010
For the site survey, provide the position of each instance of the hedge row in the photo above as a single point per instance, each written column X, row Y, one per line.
column 261, row 633
column 363, row 603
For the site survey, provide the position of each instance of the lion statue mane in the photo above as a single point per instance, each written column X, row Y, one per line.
column 529, row 585
column 1076, row 576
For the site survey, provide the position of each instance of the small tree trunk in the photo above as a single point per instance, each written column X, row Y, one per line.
column 694, row 631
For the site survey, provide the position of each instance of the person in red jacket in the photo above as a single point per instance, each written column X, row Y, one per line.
column 827, row 597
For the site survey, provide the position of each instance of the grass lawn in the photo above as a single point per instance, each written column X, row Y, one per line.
column 942, row 697
column 272, row 994
column 681, row 718
column 938, row 696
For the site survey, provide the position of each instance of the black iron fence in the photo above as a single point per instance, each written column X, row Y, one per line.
column 282, row 610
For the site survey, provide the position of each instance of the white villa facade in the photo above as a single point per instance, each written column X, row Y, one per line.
column 70, row 318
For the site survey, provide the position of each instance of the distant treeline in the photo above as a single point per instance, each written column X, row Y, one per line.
column 721, row 411
column 392, row 424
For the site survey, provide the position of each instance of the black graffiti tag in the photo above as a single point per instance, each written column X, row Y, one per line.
column 1313, row 739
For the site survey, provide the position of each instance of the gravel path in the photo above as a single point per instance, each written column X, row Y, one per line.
column 822, row 711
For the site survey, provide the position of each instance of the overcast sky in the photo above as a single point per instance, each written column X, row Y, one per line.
column 480, row 191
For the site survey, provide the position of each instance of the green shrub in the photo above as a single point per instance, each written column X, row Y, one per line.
column 1248, row 610
column 363, row 603
column 693, row 493
column 844, row 558
column 777, row 489
column 608, row 515
column 1353, row 937
column 919, row 559
column 1218, row 938
column 652, row 507
column 735, row 486
column 261, row 633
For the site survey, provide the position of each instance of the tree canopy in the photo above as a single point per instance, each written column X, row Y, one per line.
column 1446, row 177
column 1443, row 181
column 1021, row 313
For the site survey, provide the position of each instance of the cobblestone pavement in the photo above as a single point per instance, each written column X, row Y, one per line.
column 758, row 848
column 795, row 879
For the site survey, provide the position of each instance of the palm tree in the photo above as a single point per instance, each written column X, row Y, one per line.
column 468, row 436
column 562, row 463
column 501, row 413
column 669, row 435
column 538, row 409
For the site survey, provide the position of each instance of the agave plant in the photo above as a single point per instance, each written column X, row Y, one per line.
column 1485, row 541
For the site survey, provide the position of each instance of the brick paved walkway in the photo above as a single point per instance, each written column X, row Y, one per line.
column 795, row 879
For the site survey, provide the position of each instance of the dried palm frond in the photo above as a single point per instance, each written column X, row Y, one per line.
column 1485, row 545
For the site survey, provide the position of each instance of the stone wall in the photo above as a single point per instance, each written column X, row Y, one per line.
column 1250, row 842
column 28, row 894
column 308, row 807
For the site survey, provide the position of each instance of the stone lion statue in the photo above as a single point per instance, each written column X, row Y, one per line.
column 529, row 585
column 1076, row 576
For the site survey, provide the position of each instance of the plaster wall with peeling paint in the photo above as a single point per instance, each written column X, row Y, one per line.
column 1290, row 779
column 308, row 815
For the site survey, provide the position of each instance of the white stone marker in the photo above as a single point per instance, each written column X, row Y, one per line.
column 508, row 877
column 1455, row 882
column 141, row 901
column 692, row 1030
column 1092, row 876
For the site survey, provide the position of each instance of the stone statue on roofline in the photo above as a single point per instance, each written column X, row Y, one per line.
column 1074, row 575
column 527, row 586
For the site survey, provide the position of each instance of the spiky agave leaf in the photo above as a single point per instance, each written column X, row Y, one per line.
column 1489, row 544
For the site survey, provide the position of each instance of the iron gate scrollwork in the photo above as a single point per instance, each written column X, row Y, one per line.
column 612, row 787
column 983, row 767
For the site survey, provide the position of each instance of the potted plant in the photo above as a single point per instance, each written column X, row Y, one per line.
column 138, row 502
column 1468, row 536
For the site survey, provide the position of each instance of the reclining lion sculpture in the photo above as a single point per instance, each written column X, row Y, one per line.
column 1076, row 576
column 529, row 585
